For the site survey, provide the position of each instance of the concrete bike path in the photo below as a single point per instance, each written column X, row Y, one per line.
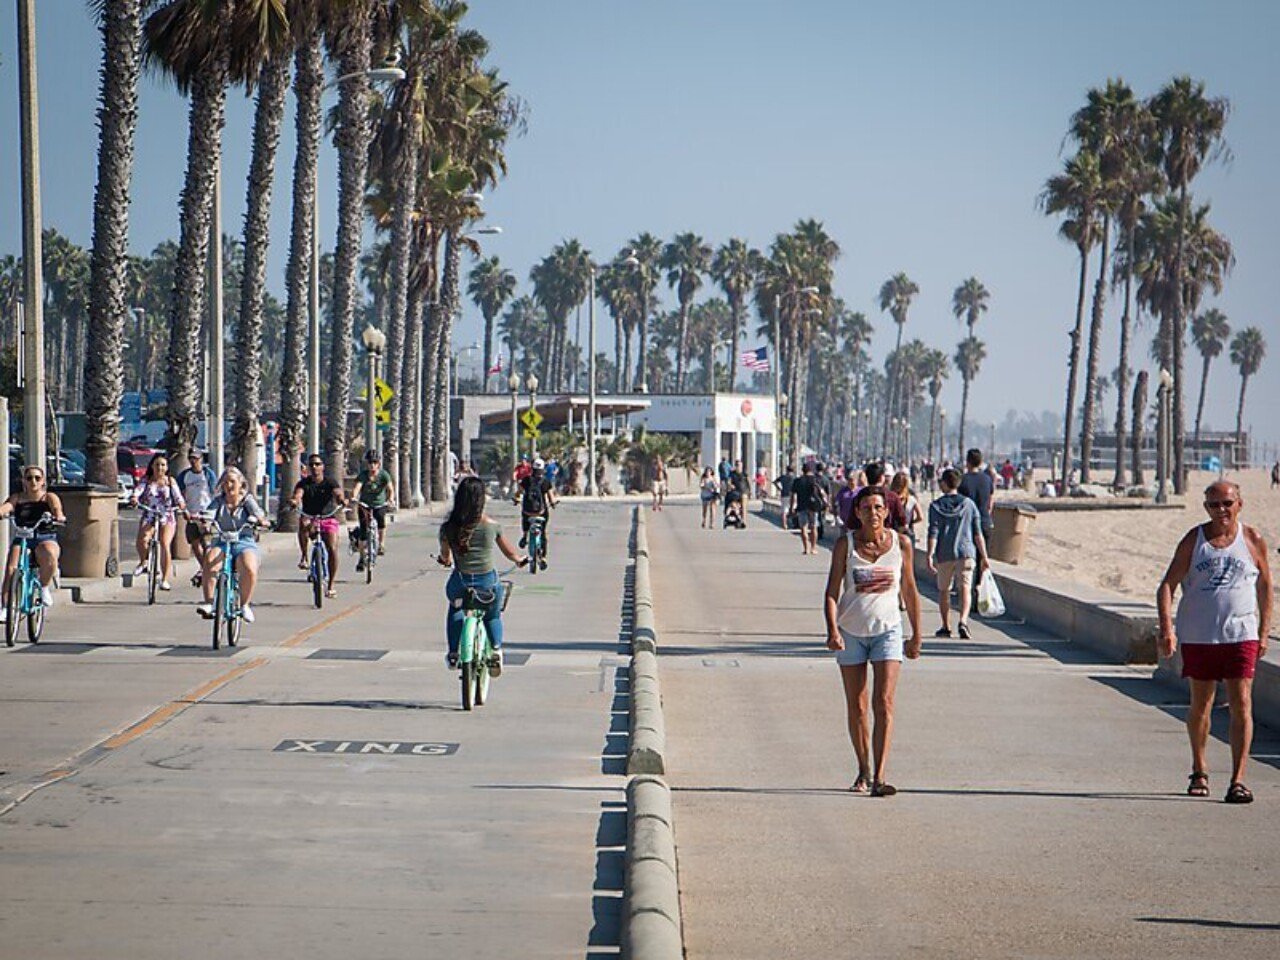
column 335, row 802
column 1042, row 810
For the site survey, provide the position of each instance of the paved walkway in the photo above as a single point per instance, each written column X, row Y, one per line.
column 1042, row 812
column 318, row 793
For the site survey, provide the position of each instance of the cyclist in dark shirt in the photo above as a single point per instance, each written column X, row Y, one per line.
column 535, row 497
column 320, row 497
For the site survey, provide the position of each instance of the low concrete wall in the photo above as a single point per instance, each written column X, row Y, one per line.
column 1119, row 627
column 651, row 920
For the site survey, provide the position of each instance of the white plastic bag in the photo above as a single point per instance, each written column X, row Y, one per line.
column 990, row 603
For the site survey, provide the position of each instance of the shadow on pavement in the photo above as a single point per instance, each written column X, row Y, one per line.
column 1215, row 924
column 606, row 901
column 450, row 707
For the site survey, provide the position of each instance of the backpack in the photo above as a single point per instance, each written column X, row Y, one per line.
column 535, row 501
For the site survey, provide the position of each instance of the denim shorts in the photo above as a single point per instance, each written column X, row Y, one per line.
column 876, row 649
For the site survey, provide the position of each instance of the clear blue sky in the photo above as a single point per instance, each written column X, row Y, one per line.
column 919, row 133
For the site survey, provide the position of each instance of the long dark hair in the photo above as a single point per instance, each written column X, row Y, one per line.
column 468, row 509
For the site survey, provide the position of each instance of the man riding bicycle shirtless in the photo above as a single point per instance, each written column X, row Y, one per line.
column 320, row 497
column 536, row 498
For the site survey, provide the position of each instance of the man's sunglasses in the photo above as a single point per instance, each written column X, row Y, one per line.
column 1216, row 504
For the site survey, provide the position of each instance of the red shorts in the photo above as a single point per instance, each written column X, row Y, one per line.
column 1219, row 661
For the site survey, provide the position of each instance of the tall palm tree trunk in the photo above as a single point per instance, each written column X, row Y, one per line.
column 268, row 118
column 1091, row 361
column 409, row 387
column 1073, row 367
column 1122, row 382
column 735, row 308
column 893, row 391
column 682, row 345
column 642, row 377
column 1204, row 383
column 397, row 326
column 438, row 367
column 307, row 84
column 109, row 260
column 1179, row 335
column 933, row 421
column 186, row 316
column 618, row 368
column 1139, row 411
column 353, row 162
column 1236, row 457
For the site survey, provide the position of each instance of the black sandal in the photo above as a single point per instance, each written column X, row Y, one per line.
column 1238, row 793
column 1199, row 784
column 881, row 789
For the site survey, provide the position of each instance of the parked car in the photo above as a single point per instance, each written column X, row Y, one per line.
column 133, row 460
column 124, row 489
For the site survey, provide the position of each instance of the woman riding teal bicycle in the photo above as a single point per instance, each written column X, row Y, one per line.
column 26, row 507
column 467, row 540
column 233, row 508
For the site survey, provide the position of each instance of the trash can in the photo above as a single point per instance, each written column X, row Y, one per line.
column 1012, row 524
column 89, row 539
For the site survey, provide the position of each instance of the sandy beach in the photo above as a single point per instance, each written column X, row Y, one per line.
column 1128, row 550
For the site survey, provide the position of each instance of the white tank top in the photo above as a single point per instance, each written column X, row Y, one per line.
column 869, row 602
column 1219, row 593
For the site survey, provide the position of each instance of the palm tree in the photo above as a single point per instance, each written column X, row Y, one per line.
column 308, row 83
column 273, row 88
column 896, row 295
column 1247, row 350
column 615, row 292
column 490, row 286
column 560, row 282
column 854, row 331
column 686, row 258
column 643, row 253
column 708, row 323
column 735, row 267
column 968, row 302
column 1209, row 332
column 190, row 41
column 349, row 39
column 968, row 359
column 1189, row 128
column 1075, row 193
column 933, row 370
column 121, row 25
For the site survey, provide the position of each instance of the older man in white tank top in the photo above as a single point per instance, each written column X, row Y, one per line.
column 1223, row 620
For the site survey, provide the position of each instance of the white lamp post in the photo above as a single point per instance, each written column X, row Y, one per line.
column 375, row 341
column 591, row 384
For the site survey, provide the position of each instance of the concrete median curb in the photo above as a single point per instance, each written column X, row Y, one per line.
column 652, row 928
column 648, row 732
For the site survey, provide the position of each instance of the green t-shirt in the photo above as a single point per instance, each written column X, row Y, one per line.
column 479, row 555
column 373, row 490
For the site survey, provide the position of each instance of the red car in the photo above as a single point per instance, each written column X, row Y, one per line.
column 133, row 460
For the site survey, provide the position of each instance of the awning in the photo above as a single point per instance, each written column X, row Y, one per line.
column 555, row 412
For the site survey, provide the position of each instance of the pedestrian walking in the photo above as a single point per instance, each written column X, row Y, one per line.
column 901, row 488
column 977, row 485
column 955, row 550
column 871, row 567
column 659, row 482
column 874, row 473
column 762, row 482
column 709, row 490
column 807, row 505
column 1222, row 626
column 784, row 484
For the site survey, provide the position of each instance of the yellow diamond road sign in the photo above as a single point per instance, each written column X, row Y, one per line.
column 532, row 434
column 531, row 418
column 382, row 393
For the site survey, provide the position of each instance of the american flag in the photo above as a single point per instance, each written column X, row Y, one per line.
column 757, row 359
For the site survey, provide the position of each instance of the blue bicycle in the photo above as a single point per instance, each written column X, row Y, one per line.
column 318, row 557
column 25, row 599
column 226, row 617
column 537, row 544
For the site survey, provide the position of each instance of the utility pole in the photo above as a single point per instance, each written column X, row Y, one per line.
column 32, row 247
column 591, row 384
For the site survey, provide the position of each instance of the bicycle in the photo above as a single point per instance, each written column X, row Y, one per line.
column 153, row 552
column 227, row 608
column 372, row 544
column 475, row 648
column 537, row 540
column 318, row 558
column 25, row 598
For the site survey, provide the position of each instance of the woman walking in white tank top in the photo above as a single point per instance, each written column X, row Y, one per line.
column 1224, row 618
column 870, row 568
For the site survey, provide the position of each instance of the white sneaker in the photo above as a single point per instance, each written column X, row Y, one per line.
column 246, row 614
column 46, row 596
column 4, row 615
column 164, row 585
column 140, row 570
column 205, row 610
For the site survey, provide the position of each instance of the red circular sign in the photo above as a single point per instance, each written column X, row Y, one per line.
column 746, row 408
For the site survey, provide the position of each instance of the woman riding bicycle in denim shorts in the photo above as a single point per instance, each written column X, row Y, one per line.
column 26, row 507
column 468, row 537
column 233, row 508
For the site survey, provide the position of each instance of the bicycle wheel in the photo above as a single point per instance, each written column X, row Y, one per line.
column 153, row 568
column 219, row 610
column 370, row 550
column 467, row 673
column 535, row 548
column 318, row 575
column 14, row 608
column 35, row 619
column 483, row 652
column 234, row 623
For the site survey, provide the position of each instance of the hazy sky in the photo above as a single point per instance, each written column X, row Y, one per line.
column 920, row 134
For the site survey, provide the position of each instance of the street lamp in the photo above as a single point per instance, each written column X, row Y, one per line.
column 375, row 341
column 1164, row 394
column 590, row 487
column 513, row 383
column 387, row 73
column 532, row 384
